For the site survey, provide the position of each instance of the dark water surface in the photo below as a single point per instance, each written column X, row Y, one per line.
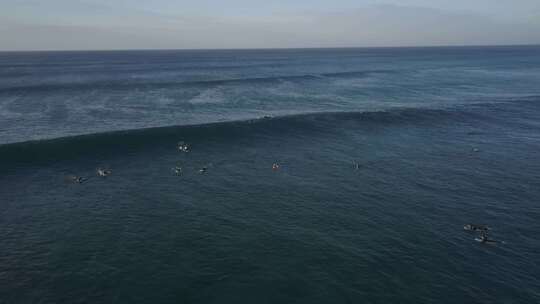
column 442, row 137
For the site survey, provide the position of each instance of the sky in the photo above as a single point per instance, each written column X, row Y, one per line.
column 210, row 24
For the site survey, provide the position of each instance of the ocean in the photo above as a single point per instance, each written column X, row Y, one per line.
column 381, row 156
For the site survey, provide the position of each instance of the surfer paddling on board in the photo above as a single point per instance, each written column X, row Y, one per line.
column 484, row 231
column 484, row 239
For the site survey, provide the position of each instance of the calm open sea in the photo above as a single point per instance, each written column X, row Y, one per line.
column 384, row 154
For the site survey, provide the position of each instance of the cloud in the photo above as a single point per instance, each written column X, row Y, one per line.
column 389, row 25
column 378, row 25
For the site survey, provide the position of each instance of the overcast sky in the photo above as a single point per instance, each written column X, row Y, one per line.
column 174, row 24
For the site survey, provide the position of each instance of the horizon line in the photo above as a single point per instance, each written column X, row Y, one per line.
column 274, row 48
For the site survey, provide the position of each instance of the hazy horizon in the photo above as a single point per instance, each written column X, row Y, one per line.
column 29, row 25
column 273, row 48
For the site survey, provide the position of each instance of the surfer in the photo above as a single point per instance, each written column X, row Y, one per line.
column 77, row 179
column 183, row 147
column 275, row 167
column 103, row 172
column 483, row 236
column 474, row 227
column 484, row 239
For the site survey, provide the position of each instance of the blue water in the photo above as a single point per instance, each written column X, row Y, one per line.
column 442, row 137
